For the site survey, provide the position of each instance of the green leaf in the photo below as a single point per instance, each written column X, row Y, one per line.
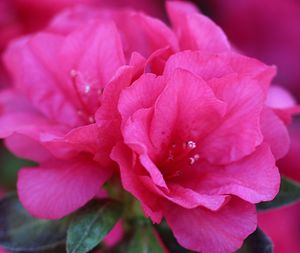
column 258, row 242
column 145, row 241
column 20, row 232
column 91, row 224
column 288, row 194
column 169, row 240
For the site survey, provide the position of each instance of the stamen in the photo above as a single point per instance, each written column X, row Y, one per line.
column 194, row 159
column 73, row 73
column 170, row 156
column 91, row 120
column 197, row 157
column 87, row 89
column 84, row 109
column 190, row 145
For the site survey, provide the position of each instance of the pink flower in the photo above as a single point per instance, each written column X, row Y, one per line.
column 199, row 142
column 183, row 116
column 184, row 155
column 48, row 116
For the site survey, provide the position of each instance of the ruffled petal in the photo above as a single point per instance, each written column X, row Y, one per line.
column 194, row 30
column 215, row 65
column 239, row 132
column 206, row 231
column 275, row 133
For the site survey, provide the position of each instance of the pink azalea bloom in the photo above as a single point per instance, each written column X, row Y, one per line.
column 195, row 139
column 197, row 145
column 48, row 116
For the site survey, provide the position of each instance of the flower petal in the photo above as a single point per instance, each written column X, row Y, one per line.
column 194, row 30
column 133, row 183
column 214, row 65
column 254, row 178
column 187, row 108
column 58, row 188
column 206, row 231
column 239, row 132
column 275, row 133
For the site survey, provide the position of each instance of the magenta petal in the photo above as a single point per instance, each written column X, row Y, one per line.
column 149, row 34
column 107, row 116
column 80, row 139
column 216, row 65
column 134, row 183
column 27, row 148
column 185, row 197
column 188, row 198
column 135, row 136
column 58, row 188
column 31, row 65
column 239, row 132
column 212, row 232
column 115, row 235
column 95, row 50
column 187, row 108
column 194, row 30
column 140, row 95
column 279, row 98
column 275, row 133
column 254, row 178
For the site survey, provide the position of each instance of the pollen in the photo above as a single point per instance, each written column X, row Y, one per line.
column 190, row 145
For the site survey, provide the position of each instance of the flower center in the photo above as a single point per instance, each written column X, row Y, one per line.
column 85, row 90
column 183, row 151
column 178, row 156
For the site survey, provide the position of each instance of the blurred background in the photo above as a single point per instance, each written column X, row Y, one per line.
column 265, row 29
